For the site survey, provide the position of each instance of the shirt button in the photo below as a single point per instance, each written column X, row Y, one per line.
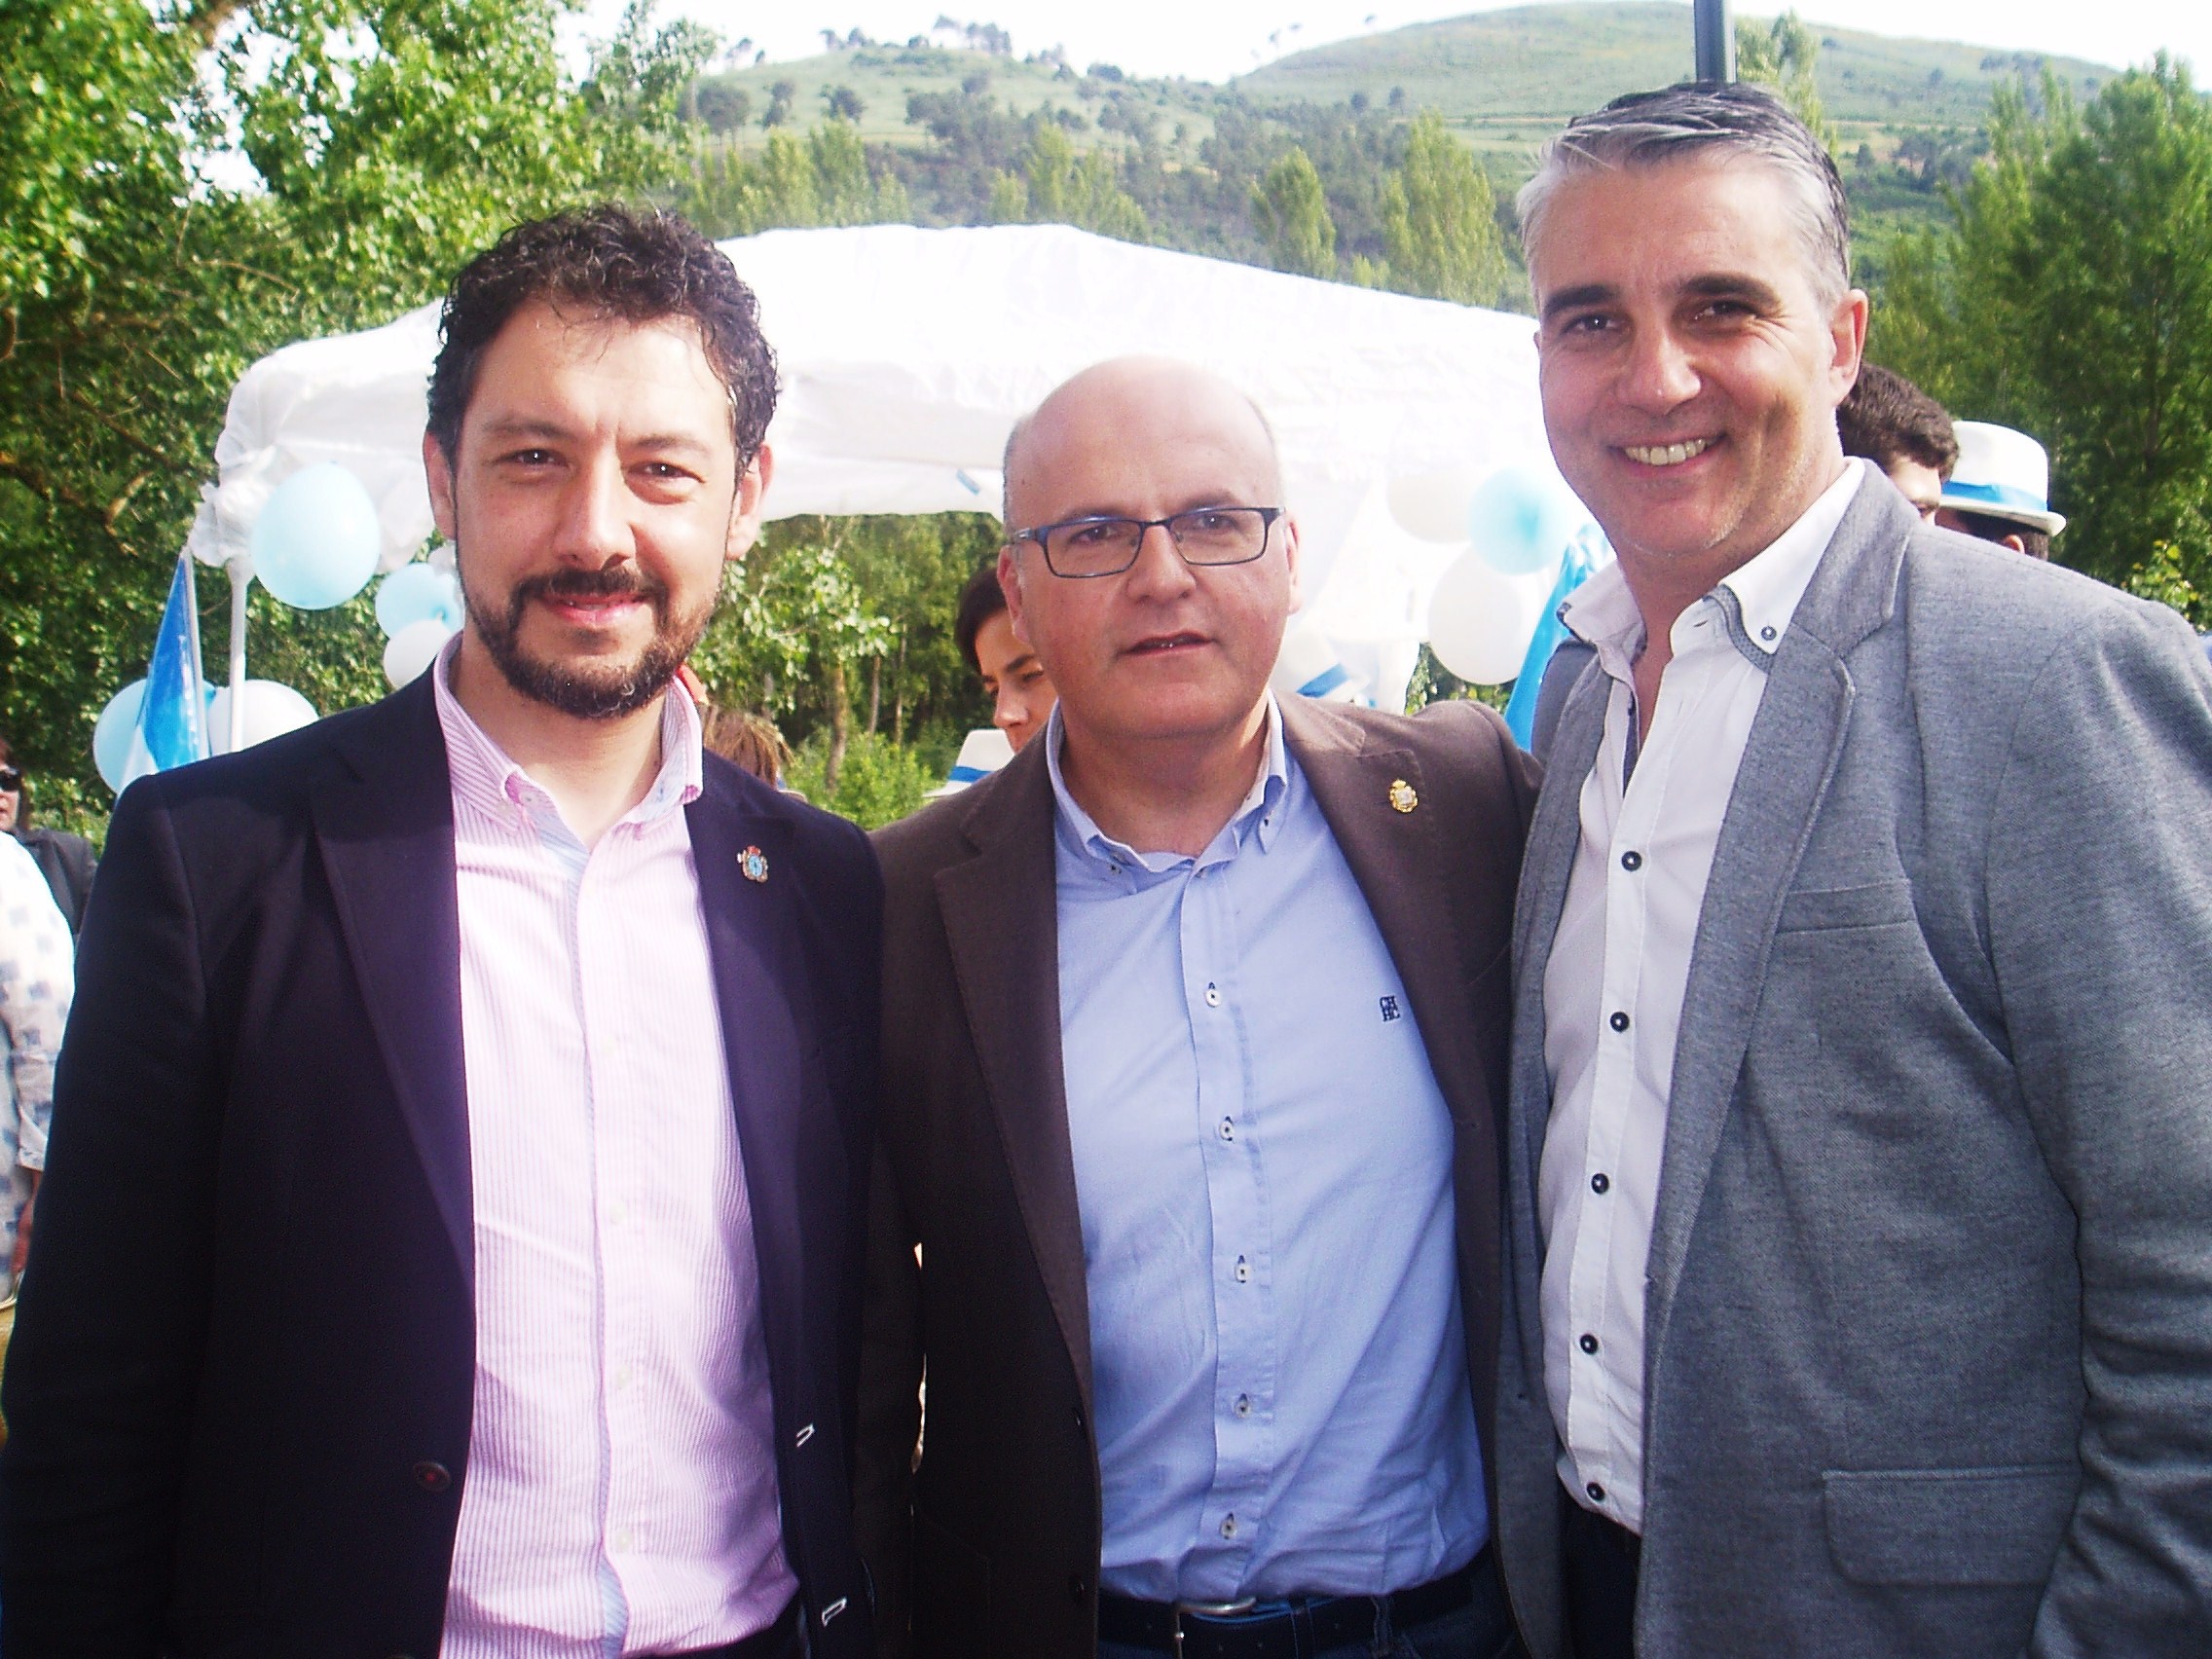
column 1244, row 1405
column 433, row 1477
column 1229, row 1525
column 1243, row 1271
column 1632, row 859
column 1597, row 1492
column 1228, row 1128
column 1598, row 1183
column 1078, row 1588
column 1619, row 1022
column 1213, row 996
column 1587, row 1343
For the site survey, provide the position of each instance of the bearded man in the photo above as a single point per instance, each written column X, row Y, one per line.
column 452, row 1244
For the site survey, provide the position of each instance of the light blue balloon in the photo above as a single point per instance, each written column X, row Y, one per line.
column 418, row 593
column 1522, row 518
column 316, row 543
column 113, row 730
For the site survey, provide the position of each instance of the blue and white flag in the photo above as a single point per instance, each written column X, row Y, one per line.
column 172, row 720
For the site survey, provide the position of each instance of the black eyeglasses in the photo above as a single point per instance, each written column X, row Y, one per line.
column 1101, row 546
column 10, row 779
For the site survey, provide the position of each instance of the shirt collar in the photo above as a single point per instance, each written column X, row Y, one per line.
column 1257, row 815
column 484, row 774
column 1758, row 599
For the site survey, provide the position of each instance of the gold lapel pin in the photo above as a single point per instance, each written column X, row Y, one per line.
column 755, row 864
column 1402, row 795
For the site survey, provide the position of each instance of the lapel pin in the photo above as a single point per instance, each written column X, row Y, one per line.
column 1402, row 795
column 755, row 864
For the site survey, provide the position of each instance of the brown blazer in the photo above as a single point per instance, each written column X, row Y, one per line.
column 987, row 1545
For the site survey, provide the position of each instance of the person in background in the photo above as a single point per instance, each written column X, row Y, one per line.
column 1906, row 435
column 746, row 740
column 1861, row 1138
column 2000, row 490
column 1021, row 692
column 37, row 979
column 64, row 858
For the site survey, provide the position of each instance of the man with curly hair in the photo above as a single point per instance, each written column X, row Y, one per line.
column 449, row 1243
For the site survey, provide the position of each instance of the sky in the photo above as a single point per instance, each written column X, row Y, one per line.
column 1213, row 40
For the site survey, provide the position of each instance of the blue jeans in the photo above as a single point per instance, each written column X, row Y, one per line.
column 1481, row 1629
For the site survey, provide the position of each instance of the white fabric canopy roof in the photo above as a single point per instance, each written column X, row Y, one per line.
column 908, row 354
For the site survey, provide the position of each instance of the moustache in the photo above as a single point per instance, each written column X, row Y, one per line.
column 609, row 582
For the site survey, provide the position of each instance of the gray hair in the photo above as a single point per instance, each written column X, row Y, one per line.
column 1702, row 119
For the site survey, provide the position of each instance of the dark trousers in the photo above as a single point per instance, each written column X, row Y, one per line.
column 1600, row 1561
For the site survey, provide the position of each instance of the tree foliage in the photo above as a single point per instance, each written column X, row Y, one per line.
column 1293, row 215
column 186, row 187
column 1440, row 230
column 1783, row 54
column 1057, row 187
column 2074, row 301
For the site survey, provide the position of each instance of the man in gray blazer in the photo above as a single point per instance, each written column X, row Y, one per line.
column 1859, row 1156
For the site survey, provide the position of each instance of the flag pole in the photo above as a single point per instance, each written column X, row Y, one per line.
column 1716, row 40
column 240, row 569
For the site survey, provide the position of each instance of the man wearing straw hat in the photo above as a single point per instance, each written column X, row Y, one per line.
column 1194, row 1036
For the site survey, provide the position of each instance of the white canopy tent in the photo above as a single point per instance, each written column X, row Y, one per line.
column 908, row 354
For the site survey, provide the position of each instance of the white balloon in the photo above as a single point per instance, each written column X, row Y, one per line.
column 1433, row 506
column 1479, row 621
column 414, row 649
column 271, row 710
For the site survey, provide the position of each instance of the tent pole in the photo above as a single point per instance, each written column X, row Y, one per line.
column 241, row 584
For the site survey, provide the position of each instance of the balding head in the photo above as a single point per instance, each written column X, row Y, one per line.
column 1117, row 396
column 1162, row 651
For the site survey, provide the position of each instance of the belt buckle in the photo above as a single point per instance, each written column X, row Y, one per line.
column 1205, row 1611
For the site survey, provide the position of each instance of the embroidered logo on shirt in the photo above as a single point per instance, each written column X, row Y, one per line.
column 1402, row 795
column 1390, row 1009
column 755, row 864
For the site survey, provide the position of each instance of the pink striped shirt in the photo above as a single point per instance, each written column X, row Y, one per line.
column 621, row 1486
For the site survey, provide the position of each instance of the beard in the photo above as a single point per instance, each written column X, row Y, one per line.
column 585, row 688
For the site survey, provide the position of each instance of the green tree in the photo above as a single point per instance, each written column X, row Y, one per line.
column 1054, row 187
column 1440, row 233
column 822, row 179
column 1293, row 216
column 145, row 260
column 2074, row 300
column 1782, row 55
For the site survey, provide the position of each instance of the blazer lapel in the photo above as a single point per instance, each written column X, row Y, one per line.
column 1002, row 923
column 751, row 932
column 385, row 831
column 1789, row 761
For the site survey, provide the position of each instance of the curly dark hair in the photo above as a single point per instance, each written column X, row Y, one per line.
column 1887, row 419
column 606, row 261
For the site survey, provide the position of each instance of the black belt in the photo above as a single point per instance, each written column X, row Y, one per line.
column 779, row 1640
column 1288, row 1629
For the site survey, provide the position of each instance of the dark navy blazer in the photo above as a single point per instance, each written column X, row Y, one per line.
column 240, row 1383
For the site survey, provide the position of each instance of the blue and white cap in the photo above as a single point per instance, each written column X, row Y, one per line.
column 2003, row 474
column 982, row 752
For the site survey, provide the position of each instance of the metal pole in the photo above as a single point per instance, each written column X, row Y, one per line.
column 1716, row 40
column 241, row 584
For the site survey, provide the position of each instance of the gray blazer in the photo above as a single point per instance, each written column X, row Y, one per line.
column 1929, row 1309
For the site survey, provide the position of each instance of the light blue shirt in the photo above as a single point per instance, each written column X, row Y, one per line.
column 1263, row 1162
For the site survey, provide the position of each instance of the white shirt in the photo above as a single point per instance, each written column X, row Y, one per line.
column 621, row 1492
column 1614, row 985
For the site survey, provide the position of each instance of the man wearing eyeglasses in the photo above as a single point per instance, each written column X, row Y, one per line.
column 1194, row 1045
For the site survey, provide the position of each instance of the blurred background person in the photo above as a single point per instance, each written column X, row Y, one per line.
column 37, row 979
column 67, row 861
column 1021, row 695
column 2000, row 490
column 745, row 739
column 1902, row 430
